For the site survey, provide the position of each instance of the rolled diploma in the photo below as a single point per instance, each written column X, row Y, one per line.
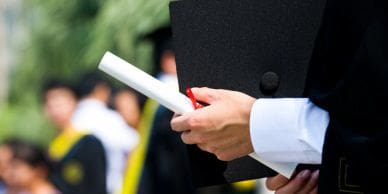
column 166, row 96
column 145, row 83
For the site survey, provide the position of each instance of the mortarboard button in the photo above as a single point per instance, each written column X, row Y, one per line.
column 269, row 83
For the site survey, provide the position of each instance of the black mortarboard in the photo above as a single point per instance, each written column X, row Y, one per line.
column 259, row 47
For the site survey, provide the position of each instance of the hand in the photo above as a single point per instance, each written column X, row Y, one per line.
column 222, row 128
column 303, row 183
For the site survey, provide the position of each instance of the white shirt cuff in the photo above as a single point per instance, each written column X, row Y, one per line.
column 288, row 130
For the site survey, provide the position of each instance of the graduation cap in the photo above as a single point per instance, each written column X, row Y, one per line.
column 259, row 47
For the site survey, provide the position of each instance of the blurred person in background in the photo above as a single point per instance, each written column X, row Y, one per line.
column 166, row 165
column 93, row 115
column 164, row 168
column 28, row 171
column 80, row 157
column 126, row 102
column 5, row 162
column 6, row 167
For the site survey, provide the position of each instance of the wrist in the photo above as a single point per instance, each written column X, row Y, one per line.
column 245, row 110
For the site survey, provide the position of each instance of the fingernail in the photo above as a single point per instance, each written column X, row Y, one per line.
column 315, row 174
column 304, row 174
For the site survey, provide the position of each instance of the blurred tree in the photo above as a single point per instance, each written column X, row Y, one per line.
column 67, row 38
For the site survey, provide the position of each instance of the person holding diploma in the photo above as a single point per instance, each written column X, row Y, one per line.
column 340, row 123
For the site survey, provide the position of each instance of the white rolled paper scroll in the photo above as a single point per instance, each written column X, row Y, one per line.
column 166, row 96
column 145, row 83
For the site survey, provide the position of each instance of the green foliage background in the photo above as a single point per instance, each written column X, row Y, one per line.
column 66, row 38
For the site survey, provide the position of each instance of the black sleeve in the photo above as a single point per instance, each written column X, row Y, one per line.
column 348, row 77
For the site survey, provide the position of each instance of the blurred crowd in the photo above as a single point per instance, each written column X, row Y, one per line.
column 108, row 140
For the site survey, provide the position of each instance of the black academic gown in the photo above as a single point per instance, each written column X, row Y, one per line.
column 348, row 77
column 83, row 169
column 166, row 169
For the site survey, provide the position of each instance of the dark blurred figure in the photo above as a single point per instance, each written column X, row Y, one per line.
column 93, row 115
column 80, row 158
column 126, row 102
column 166, row 169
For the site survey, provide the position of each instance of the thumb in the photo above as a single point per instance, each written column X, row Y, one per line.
column 206, row 95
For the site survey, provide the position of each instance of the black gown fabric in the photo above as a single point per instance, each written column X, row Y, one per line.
column 348, row 77
column 83, row 169
column 166, row 168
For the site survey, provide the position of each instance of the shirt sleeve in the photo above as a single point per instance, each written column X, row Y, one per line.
column 288, row 130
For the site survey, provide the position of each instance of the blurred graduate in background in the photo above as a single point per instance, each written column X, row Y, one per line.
column 166, row 166
column 80, row 166
column 161, row 164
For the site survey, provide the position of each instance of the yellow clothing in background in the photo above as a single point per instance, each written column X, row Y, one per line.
column 64, row 142
column 137, row 158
